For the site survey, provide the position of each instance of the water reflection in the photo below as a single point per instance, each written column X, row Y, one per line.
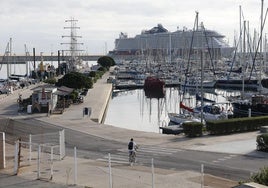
column 131, row 109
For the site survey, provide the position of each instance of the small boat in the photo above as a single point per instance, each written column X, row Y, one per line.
column 212, row 112
column 255, row 105
column 237, row 83
column 199, row 98
column 181, row 118
column 154, row 87
column 196, row 83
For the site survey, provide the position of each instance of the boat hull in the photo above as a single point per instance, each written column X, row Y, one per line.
column 238, row 84
column 154, row 87
column 181, row 118
column 242, row 109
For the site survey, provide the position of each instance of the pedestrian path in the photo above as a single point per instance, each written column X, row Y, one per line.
column 144, row 154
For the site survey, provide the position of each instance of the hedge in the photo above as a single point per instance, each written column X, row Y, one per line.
column 192, row 129
column 236, row 125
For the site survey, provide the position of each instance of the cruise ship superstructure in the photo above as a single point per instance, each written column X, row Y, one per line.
column 175, row 44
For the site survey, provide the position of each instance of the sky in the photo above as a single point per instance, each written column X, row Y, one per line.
column 40, row 24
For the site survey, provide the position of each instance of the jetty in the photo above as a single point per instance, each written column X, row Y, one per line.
column 173, row 129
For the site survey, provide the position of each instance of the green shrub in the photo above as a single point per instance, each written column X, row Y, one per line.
column 74, row 95
column 92, row 74
column 236, row 125
column 192, row 129
column 261, row 177
column 259, row 141
column 50, row 80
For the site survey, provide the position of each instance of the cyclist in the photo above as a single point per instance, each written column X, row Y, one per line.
column 132, row 147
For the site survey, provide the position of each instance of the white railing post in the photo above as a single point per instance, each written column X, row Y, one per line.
column 3, row 151
column 202, row 175
column 30, row 148
column 60, row 139
column 51, row 162
column 62, row 143
column 38, row 161
column 152, row 173
column 75, row 166
column 16, row 158
column 110, row 171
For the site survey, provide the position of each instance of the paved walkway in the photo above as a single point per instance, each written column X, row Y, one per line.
column 96, row 173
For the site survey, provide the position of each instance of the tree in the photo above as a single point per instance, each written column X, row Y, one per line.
column 75, row 80
column 106, row 61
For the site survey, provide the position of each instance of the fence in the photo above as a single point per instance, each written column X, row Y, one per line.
column 41, row 150
column 119, row 174
column 52, row 139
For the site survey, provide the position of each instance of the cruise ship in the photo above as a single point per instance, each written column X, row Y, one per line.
column 175, row 44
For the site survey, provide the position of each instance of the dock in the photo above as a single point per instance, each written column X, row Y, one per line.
column 173, row 129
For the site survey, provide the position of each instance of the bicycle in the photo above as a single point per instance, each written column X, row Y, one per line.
column 132, row 156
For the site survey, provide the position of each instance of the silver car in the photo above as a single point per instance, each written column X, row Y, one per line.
column 4, row 90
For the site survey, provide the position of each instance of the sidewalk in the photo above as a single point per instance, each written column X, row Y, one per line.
column 95, row 174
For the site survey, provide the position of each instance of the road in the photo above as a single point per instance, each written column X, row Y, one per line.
column 230, row 166
column 226, row 165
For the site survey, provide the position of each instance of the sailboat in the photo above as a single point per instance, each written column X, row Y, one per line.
column 257, row 104
column 186, row 113
column 154, row 87
column 186, row 116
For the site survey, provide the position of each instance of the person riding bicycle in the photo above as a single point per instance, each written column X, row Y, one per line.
column 132, row 147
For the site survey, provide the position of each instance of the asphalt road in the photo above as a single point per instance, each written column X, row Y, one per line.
column 231, row 166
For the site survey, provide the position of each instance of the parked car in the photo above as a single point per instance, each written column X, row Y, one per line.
column 4, row 90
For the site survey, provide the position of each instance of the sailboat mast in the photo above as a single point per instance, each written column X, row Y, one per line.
column 202, row 92
column 261, row 54
column 244, row 59
column 240, row 31
column 261, row 28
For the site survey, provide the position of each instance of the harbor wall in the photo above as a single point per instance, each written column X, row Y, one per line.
column 103, row 92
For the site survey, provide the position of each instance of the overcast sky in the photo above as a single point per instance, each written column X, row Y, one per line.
column 40, row 24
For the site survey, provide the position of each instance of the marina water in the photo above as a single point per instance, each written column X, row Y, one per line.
column 131, row 109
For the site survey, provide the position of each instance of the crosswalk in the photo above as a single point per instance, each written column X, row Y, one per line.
column 228, row 157
column 144, row 153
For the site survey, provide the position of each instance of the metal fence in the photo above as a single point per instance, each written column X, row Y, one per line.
column 40, row 152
